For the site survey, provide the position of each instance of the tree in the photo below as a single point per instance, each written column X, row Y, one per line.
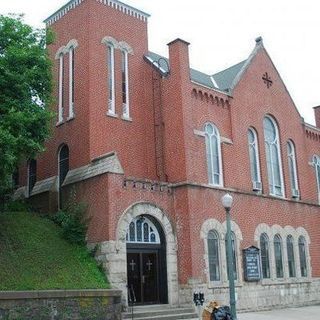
column 25, row 93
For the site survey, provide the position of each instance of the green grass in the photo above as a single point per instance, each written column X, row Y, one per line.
column 33, row 256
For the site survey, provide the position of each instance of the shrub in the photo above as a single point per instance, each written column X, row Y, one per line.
column 73, row 221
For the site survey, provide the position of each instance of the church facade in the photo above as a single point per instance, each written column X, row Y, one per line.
column 151, row 146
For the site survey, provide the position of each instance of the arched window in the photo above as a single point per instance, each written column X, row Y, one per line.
column 32, row 175
column 302, row 256
column 254, row 159
column 265, row 258
column 234, row 256
column 290, row 252
column 142, row 230
column 278, row 255
column 213, row 255
column 213, row 152
column 111, row 82
column 71, row 82
column 61, row 87
column 63, row 168
column 293, row 169
column 125, row 84
column 316, row 164
column 271, row 138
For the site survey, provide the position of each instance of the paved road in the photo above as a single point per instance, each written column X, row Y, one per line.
column 302, row 313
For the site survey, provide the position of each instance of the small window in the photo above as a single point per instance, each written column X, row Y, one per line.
column 302, row 256
column 61, row 88
column 293, row 169
column 111, row 82
column 265, row 258
column 254, row 159
column 125, row 84
column 272, row 145
column 291, row 262
column 278, row 256
column 32, row 175
column 71, row 82
column 213, row 255
column 234, row 256
column 213, row 154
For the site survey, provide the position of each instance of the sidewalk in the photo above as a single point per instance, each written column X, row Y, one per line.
column 301, row 313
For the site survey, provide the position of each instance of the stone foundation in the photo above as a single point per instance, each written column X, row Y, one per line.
column 259, row 296
column 61, row 304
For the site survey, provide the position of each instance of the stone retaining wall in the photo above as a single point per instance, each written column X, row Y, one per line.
column 60, row 305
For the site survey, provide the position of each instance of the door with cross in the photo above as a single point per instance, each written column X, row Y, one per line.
column 143, row 276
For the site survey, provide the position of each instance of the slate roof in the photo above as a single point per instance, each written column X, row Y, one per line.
column 221, row 81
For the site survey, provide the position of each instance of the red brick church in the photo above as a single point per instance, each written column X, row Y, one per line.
column 152, row 145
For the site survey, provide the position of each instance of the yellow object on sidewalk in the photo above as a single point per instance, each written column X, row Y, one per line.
column 207, row 312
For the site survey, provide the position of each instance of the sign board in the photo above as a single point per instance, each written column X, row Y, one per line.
column 251, row 264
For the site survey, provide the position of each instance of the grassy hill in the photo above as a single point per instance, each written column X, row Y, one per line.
column 33, row 256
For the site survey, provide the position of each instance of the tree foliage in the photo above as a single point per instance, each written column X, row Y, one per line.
column 25, row 93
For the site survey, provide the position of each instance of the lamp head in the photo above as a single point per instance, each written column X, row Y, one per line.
column 227, row 201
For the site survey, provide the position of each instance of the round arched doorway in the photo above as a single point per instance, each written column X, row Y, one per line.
column 146, row 261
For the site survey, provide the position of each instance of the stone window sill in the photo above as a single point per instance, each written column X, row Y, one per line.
column 112, row 115
column 126, row 118
column 59, row 123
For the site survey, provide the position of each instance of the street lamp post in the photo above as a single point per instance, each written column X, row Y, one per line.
column 227, row 203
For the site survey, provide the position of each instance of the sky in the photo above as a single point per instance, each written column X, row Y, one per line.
column 222, row 33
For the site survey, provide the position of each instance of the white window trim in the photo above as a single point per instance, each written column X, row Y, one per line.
column 316, row 164
column 111, row 102
column 126, row 106
column 221, row 183
column 71, row 80
column 257, row 154
column 61, row 77
column 272, row 189
column 294, row 161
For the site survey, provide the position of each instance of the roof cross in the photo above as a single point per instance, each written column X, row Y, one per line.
column 267, row 80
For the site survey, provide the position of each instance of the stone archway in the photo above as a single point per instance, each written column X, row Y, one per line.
column 116, row 263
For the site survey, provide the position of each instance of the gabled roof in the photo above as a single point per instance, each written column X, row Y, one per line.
column 225, row 78
column 221, row 81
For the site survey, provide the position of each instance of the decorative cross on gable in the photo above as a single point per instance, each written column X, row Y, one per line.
column 267, row 80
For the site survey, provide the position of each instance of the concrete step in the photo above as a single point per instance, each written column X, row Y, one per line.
column 166, row 317
column 160, row 312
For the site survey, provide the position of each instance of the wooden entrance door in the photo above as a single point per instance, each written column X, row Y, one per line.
column 143, row 276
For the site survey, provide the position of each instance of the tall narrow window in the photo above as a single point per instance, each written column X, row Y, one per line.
column 71, row 82
column 316, row 164
column 111, row 82
column 278, row 255
column 61, row 80
column 63, row 169
column 290, row 252
column 254, row 159
column 271, row 137
column 15, row 179
column 293, row 169
column 234, row 256
column 32, row 175
column 213, row 152
column 125, row 84
column 302, row 256
column 265, row 259
column 213, row 255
